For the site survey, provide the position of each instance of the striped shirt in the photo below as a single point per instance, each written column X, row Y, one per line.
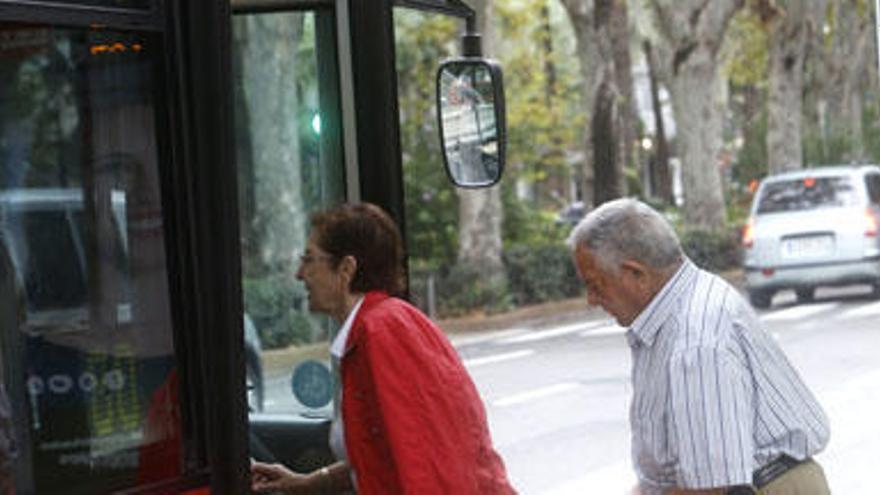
column 714, row 397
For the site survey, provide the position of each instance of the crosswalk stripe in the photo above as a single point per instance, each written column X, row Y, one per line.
column 535, row 394
column 553, row 332
column 497, row 358
column 798, row 312
column 872, row 309
column 601, row 332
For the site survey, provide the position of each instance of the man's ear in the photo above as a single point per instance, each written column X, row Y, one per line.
column 639, row 271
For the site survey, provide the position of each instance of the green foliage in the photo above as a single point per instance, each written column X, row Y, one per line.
column 540, row 272
column 544, row 121
column 871, row 125
column 525, row 223
column 270, row 302
column 713, row 250
column 545, row 118
column 423, row 41
column 633, row 181
column 745, row 50
column 464, row 289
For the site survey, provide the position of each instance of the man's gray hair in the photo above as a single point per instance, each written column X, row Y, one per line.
column 627, row 229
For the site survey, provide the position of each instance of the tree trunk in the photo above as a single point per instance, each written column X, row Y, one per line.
column 266, row 47
column 480, row 213
column 620, row 43
column 605, row 139
column 790, row 28
column 661, row 180
column 691, row 34
column 597, row 27
column 698, row 119
column 784, row 99
column 846, row 62
column 581, row 20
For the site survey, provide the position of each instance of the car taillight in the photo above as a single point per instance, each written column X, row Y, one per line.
column 748, row 234
column 871, row 226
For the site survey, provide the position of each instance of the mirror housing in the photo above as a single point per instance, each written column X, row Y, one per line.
column 472, row 121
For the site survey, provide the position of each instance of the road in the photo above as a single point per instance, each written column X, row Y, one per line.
column 557, row 398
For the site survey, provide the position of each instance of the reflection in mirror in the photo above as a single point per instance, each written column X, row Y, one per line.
column 470, row 100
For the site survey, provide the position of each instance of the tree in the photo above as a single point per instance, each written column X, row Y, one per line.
column 479, row 211
column 690, row 36
column 846, row 55
column 544, row 115
column 659, row 165
column 745, row 66
column 791, row 23
column 431, row 203
column 602, row 34
column 269, row 145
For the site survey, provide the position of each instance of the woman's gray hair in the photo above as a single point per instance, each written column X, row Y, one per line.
column 627, row 229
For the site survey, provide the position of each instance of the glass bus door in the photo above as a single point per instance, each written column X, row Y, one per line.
column 290, row 163
column 88, row 361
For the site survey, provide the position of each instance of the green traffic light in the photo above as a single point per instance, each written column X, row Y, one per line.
column 316, row 123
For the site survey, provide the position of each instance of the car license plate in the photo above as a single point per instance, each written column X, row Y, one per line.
column 807, row 247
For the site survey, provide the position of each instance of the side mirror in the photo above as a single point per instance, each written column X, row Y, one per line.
column 470, row 109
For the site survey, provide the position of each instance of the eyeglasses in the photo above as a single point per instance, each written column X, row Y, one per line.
column 307, row 259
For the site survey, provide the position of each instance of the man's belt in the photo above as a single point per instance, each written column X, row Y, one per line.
column 774, row 469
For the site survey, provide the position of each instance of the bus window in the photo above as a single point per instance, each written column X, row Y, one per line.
column 86, row 336
column 289, row 160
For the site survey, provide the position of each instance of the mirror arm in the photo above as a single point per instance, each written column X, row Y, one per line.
column 471, row 43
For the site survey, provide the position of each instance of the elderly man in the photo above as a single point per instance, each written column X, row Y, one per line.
column 716, row 408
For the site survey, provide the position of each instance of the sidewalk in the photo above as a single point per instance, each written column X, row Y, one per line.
column 477, row 326
column 540, row 316
column 534, row 317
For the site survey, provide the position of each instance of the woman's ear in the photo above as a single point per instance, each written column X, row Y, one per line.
column 348, row 267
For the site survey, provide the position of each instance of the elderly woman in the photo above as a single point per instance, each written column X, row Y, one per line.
column 410, row 420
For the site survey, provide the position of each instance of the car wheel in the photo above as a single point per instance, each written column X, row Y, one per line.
column 760, row 298
column 806, row 294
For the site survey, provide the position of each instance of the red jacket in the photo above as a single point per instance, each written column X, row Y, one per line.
column 414, row 422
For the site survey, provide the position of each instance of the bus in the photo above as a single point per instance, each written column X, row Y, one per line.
column 159, row 160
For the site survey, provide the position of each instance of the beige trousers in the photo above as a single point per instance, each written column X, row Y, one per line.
column 805, row 479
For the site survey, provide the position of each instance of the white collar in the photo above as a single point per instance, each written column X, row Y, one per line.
column 337, row 348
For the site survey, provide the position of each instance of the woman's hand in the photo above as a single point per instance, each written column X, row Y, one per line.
column 277, row 478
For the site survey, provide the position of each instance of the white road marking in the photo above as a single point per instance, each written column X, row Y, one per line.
column 478, row 338
column 612, row 479
column 535, row 394
column 601, row 332
column 872, row 309
column 798, row 312
column 498, row 358
column 552, row 332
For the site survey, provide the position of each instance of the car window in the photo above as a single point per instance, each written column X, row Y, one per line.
column 807, row 194
column 873, row 183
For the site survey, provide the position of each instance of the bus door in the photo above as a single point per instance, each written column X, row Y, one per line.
column 298, row 114
column 289, row 154
column 86, row 338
